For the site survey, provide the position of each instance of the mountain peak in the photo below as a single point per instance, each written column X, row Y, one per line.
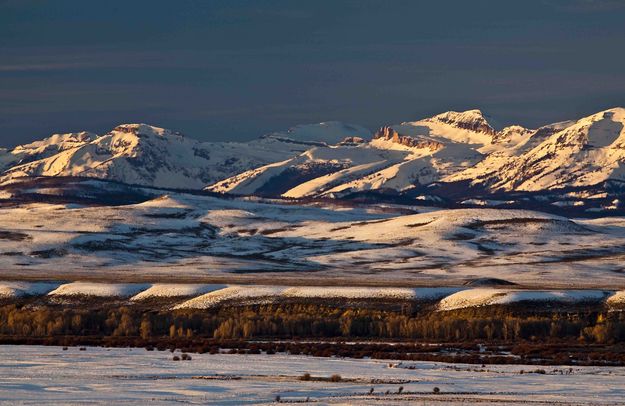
column 472, row 120
column 60, row 141
column 512, row 133
column 327, row 132
column 144, row 129
column 616, row 109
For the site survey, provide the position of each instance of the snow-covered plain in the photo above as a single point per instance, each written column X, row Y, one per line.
column 181, row 238
column 49, row 375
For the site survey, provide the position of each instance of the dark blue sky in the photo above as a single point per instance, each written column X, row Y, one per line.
column 234, row 70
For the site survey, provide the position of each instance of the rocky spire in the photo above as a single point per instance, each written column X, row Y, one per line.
column 389, row 134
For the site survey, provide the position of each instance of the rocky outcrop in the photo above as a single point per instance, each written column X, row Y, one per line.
column 511, row 132
column 389, row 134
column 141, row 130
column 352, row 141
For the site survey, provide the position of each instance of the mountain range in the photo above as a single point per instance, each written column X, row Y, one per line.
column 454, row 158
column 145, row 155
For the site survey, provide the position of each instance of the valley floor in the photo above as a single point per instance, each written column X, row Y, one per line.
column 51, row 375
column 201, row 239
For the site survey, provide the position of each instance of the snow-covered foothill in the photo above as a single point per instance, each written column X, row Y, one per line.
column 368, row 292
column 203, row 296
column 98, row 289
column 161, row 290
column 490, row 296
column 196, row 235
column 617, row 299
column 260, row 293
column 238, row 293
column 12, row 289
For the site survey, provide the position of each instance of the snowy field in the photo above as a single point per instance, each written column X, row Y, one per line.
column 199, row 239
column 49, row 375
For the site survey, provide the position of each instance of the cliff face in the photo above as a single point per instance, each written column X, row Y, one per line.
column 389, row 134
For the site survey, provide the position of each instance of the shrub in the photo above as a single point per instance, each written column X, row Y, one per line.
column 305, row 377
column 436, row 389
column 336, row 378
column 176, row 358
column 400, row 390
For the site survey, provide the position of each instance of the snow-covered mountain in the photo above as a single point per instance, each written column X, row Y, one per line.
column 151, row 156
column 452, row 150
column 398, row 158
column 454, row 158
column 582, row 153
column 45, row 148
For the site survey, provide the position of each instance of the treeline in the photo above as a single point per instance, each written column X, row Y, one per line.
column 488, row 324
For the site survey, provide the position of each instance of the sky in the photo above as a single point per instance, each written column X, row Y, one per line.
column 234, row 70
